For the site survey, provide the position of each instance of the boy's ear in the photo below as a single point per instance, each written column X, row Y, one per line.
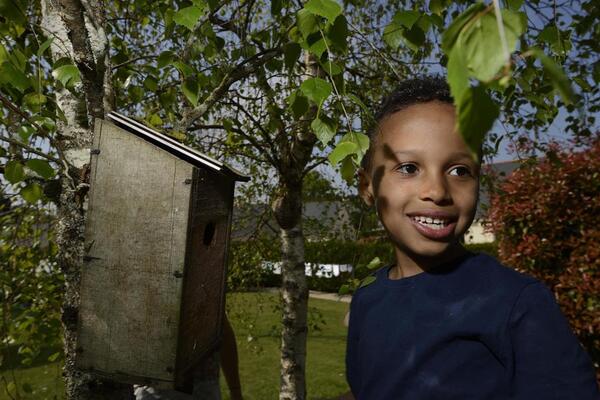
column 365, row 188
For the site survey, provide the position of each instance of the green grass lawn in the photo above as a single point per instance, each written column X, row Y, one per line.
column 256, row 320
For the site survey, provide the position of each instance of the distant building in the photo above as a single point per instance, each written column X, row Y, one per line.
column 322, row 220
column 477, row 233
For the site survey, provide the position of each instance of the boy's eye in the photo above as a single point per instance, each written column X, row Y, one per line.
column 407, row 169
column 460, row 171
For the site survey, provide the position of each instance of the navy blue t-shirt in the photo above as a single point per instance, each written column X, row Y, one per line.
column 472, row 330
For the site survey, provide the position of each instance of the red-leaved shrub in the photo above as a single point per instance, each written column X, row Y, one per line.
column 546, row 218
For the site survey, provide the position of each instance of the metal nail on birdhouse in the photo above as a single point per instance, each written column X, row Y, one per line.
column 157, row 231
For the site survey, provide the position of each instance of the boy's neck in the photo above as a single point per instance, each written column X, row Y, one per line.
column 413, row 264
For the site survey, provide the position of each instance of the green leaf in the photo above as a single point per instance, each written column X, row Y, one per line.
column 276, row 6
column 347, row 170
column 450, row 35
column 344, row 290
column 67, row 74
column 9, row 74
column 476, row 115
column 414, row 37
column 316, row 47
column 14, row 171
column 11, row 387
column 329, row 9
column 458, row 74
column 481, row 45
column 298, row 104
column 155, row 120
column 151, row 83
column 4, row 56
column 367, row 281
column 27, row 388
column 25, row 132
column 360, row 103
column 177, row 135
column 316, row 89
column 47, row 123
column 291, row 53
column 19, row 59
column 341, row 151
column 338, row 34
column 44, row 46
column 183, row 68
column 188, row 16
column 190, row 90
column 306, row 22
column 374, row 263
column 14, row 11
column 40, row 167
column 559, row 42
column 557, row 76
column 514, row 4
column 324, row 128
column 437, row 6
column 165, row 58
column 406, row 18
column 392, row 35
column 34, row 100
column 32, row 193
column 361, row 140
column 331, row 68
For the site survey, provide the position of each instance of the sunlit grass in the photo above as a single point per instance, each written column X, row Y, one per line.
column 255, row 318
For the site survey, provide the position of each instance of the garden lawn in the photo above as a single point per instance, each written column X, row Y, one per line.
column 256, row 319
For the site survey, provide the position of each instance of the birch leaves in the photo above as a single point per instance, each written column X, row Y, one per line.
column 321, row 29
column 479, row 45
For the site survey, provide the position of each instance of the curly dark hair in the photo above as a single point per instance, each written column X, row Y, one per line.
column 417, row 90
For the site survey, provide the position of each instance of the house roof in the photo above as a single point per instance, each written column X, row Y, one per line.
column 171, row 145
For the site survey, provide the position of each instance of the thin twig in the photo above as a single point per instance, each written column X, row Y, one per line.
column 30, row 149
column 379, row 53
column 9, row 104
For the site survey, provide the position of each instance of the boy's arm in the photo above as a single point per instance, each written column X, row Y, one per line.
column 549, row 361
column 229, row 360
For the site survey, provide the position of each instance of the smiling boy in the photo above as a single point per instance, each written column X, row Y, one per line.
column 443, row 323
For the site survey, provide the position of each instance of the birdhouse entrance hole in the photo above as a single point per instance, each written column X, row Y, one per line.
column 209, row 233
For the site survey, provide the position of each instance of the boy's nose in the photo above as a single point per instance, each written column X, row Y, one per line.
column 435, row 189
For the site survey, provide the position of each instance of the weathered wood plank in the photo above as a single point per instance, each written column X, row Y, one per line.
column 136, row 233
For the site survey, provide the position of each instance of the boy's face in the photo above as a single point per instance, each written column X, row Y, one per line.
column 423, row 181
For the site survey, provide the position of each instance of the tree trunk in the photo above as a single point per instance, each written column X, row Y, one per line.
column 75, row 142
column 294, row 293
column 287, row 208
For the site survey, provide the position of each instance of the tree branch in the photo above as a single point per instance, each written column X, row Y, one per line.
column 240, row 71
column 7, row 103
column 30, row 149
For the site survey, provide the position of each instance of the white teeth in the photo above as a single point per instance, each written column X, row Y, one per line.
column 434, row 223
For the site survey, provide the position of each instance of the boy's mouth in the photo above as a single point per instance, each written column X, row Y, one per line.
column 435, row 225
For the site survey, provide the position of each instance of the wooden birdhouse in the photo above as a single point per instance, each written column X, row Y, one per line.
column 157, row 232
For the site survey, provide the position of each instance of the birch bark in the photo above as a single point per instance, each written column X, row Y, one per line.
column 84, row 42
column 287, row 208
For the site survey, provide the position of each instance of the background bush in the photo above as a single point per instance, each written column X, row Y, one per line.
column 246, row 257
column 546, row 218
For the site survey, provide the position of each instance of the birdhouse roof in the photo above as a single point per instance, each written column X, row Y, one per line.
column 171, row 145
